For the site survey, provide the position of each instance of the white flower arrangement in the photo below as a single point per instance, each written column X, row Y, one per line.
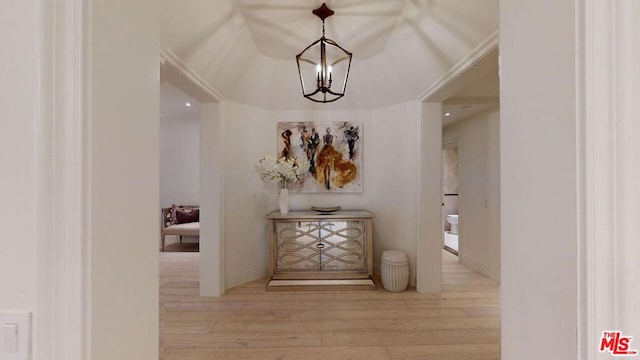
column 283, row 170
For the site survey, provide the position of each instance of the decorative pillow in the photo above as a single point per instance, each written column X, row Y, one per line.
column 187, row 216
column 175, row 208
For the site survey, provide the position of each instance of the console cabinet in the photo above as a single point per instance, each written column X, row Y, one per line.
column 312, row 250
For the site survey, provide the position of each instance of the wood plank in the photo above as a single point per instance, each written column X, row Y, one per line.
column 291, row 353
column 421, row 337
column 383, row 314
column 206, row 315
column 190, row 326
column 309, row 326
column 242, row 340
column 430, row 303
column 327, row 305
column 448, row 352
column 451, row 324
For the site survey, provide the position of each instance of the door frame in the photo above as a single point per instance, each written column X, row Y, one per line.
column 429, row 207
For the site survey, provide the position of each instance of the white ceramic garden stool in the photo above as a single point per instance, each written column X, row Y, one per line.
column 394, row 270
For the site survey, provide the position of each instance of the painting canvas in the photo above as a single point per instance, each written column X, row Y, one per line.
column 332, row 149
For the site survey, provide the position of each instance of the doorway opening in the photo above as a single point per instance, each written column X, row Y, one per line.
column 211, row 169
column 179, row 170
column 450, row 195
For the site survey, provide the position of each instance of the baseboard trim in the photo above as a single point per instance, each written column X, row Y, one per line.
column 245, row 277
column 475, row 265
column 467, row 261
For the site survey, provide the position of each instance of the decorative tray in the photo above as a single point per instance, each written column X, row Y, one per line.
column 325, row 209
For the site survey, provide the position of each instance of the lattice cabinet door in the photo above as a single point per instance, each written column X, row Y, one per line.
column 342, row 245
column 297, row 245
column 336, row 245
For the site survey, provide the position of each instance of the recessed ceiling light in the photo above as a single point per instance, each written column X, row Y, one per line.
column 447, row 114
column 188, row 104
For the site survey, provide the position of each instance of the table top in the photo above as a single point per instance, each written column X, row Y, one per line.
column 308, row 214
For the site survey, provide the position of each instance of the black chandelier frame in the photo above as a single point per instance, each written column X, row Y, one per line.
column 323, row 92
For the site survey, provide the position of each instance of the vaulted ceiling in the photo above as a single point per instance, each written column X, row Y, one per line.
column 246, row 49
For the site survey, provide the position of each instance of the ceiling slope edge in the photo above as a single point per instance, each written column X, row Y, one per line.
column 465, row 71
column 177, row 73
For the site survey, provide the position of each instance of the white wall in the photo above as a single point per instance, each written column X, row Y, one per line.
column 429, row 241
column 212, row 207
column 538, row 165
column 479, row 189
column 248, row 134
column 18, row 157
column 179, row 160
column 389, row 181
column 122, row 91
column 124, row 180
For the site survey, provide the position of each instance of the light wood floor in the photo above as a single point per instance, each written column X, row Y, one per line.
column 249, row 323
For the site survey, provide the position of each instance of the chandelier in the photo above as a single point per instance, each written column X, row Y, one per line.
column 323, row 66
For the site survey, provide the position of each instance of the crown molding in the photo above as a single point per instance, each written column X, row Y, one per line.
column 179, row 74
column 475, row 100
column 482, row 59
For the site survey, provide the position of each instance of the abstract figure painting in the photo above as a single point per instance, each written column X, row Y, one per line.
column 332, row 149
